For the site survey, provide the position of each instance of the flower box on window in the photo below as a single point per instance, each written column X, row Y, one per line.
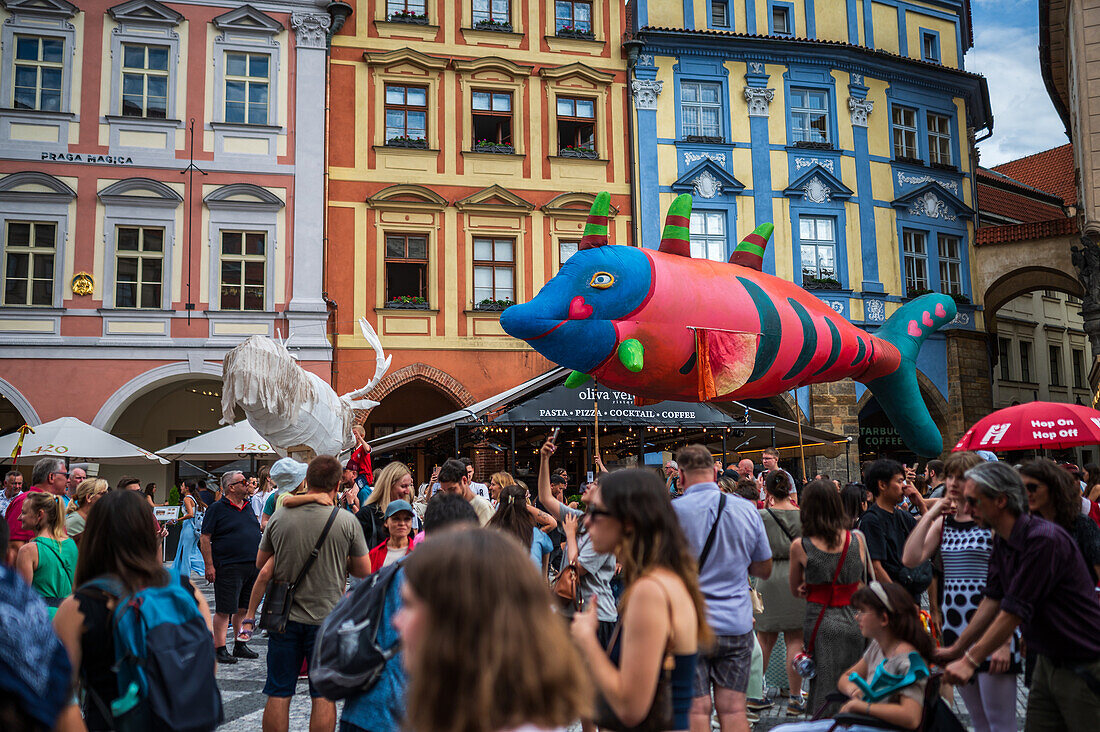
column 945, row 166
column 572, row 31
column 487, row 146
column 908, row 160
column 407, row 302
column 820, row 283
column 577, row 152
column 493, row 305
column 711, row 139
column 814, row 145
column 418, row 143
column 918, row 291
column 408, row 16
column 493, row 25
column 959, row 298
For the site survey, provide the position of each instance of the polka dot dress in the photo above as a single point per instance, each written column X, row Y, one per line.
column 966, row 548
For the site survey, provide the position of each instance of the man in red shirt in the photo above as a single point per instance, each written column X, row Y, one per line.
column 49, row 476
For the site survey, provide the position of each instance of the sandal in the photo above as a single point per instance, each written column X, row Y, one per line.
column 245, row 634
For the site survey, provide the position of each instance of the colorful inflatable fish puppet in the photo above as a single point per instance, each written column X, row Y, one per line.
column 661, row 325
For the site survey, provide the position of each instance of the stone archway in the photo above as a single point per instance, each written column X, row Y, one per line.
column 438, row 378
column 20, row 409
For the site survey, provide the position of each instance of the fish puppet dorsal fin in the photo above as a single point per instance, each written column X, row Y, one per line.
column 750, row 251
column 676, row 237
column 595, row 228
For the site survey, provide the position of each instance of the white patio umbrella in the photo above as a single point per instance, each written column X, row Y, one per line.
column 230, row 442
column 72, row 439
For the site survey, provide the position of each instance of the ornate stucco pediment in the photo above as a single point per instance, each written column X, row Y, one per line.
column 818, row 185
column 932, row 201
column 707, row 179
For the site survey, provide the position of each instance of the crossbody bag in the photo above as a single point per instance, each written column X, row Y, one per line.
column 280, row 595
column 832, row 591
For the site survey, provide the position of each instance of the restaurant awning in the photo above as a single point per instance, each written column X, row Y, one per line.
column 545, row 402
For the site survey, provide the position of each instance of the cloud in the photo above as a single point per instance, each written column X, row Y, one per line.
column 1024, row 118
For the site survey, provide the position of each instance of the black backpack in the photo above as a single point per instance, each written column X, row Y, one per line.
column 347, row 658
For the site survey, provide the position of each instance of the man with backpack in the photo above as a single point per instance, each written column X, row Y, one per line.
column 315, row 547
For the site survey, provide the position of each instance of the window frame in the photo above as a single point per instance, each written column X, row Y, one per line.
column 491, row 16
column 54, row 25
column 244, row 258
column 1024, row 351
column 146, row 73
column 714, row 5
column 1077, row 359
column 387, row 259
column 492, row 265
column 707, row 238
column 1004, row 358
column 936, row 55
column 916, row 257
column 575, row 243
column 256, row 42
column 957, row 261
column 558, row 118
column 248, row 80
column 33, row 222
column 700, row 105
column 141, row 255
column 787, row 11
column 571, row 27
column 817, row 244
column 510, row 116
column 423, row 4
column 944, row 138
column 405, row 108
column 39, row 64
column 827, row 112
column 914, row 131
column 1054, row 364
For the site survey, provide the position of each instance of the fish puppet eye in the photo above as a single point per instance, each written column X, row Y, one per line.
column 602, row 280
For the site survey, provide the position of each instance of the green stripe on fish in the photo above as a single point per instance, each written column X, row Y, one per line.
column 861, row 352
column 809, row 340
column 575, row 379
column 771, row 329
column 834, row 352
column 631, row 354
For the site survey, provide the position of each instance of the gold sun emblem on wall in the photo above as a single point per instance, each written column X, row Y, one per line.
column 83, row 284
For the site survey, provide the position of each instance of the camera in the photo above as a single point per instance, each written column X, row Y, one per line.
column 804, row 666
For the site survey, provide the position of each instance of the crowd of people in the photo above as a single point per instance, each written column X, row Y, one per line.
column 653, row 602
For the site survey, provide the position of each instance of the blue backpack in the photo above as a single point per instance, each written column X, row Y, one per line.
column 164, row 659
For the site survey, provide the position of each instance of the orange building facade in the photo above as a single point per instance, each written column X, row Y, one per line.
column 466, row 142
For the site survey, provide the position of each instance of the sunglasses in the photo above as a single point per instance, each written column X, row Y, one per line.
column 594, row 512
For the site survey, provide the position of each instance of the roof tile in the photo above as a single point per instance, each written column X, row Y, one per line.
column 1051, row 171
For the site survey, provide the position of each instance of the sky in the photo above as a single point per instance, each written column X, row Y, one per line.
column 1006, row 52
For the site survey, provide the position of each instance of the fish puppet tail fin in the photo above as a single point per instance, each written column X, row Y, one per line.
column 898, row 392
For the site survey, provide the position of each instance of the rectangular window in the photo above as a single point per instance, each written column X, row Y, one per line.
column 929, row 47
column 1025, row 361
column 1073, row 300
column 1054, row 354
column 244, row 270
column 566, row 249
column 406, row 266
column 939, row 139
column 492, row 115
column 247, row 79
column 817, row 237
column 915, row 247
column 406, row 114
column 1078, row 357
column 719, row 14
column 576, row 124
column 39, row 68
column 494, row 270
column 144, row 81
column 29, row 250
column 406, row 9
column 708, row 235
column 1003, row 355
column 573, row 16
column 492, row 12
column 904, row 122
column 781, row 21
column 809, row 115
column 950, row 265
column 139, row 267
column 701, row 111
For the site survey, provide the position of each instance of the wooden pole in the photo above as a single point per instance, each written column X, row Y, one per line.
column 596, row 431
column 798, row 419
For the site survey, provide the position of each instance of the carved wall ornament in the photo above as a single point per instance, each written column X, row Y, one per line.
column 694, row 157
column 758, row 98
column 931, row 206
column 83, row 284
column 756, row 67
column 816, row 191
column 311, row 29
column 646, row 92
column 961, row 318
column 875, row 310
column 827, row 163
column 706, row 185
column 904, row 178
column 646, row 59
column 837, row 306
column 857, row 79
column 860, row 108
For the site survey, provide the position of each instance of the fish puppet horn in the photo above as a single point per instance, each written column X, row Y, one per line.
column 675, row 239
column 750, row 251
column 595, row 228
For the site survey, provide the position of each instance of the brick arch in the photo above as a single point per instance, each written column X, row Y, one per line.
column 437, row 378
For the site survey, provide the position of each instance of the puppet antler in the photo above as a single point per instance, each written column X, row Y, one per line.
column 382, row 362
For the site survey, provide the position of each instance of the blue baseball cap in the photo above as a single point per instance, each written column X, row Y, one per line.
column 397, row 507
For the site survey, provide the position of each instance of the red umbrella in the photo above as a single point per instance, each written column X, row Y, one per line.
column 1034, row 425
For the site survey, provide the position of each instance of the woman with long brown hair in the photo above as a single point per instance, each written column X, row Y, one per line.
column 1053, row 494
column 394, row 483
column 514, row 517
column 662, row 612
column 48, row 562
column 513, row 643
column 827, row 564
column 120, row 541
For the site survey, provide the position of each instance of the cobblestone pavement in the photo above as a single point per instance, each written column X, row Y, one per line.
column 242, row 685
